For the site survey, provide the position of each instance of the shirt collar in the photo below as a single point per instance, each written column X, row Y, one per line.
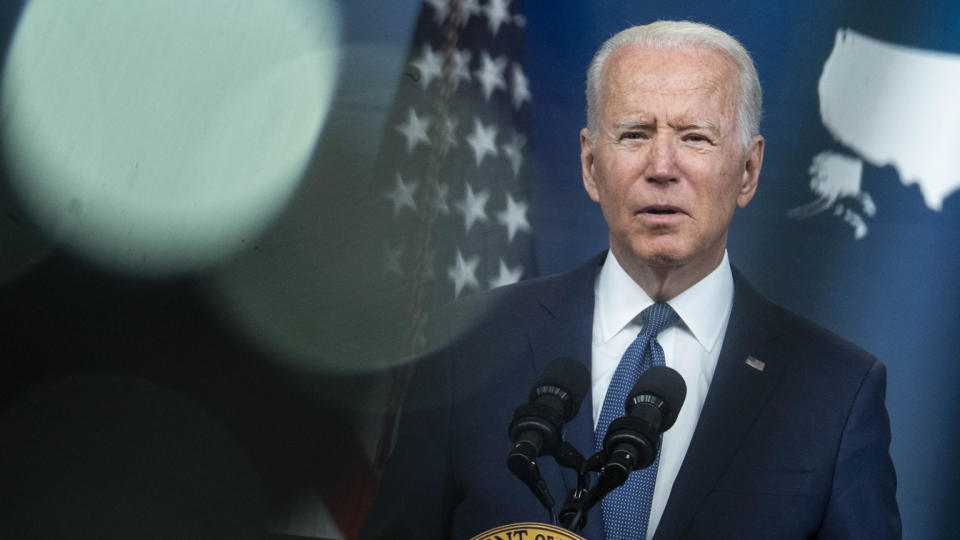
column 703, row 307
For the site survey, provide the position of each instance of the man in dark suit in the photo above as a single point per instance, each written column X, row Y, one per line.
column 784, row 432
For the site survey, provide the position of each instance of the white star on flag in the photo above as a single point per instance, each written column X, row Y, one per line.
column 415, row 130
column 461, row 68
column 402, row 195
column 521, row 87
column 490, row 74
column 482, row 140
column 497, row 12
column 507, row 275
column 514, row 218
column 463, row 273
column 473, row 207
column 468, row 8
column 430, row 65
column 513, row 151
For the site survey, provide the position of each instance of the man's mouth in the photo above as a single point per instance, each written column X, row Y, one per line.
column 660, row 210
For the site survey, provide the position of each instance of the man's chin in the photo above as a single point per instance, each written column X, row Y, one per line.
column 663, row 260
column 653, row 253
column 653, row 259
column 668, row 256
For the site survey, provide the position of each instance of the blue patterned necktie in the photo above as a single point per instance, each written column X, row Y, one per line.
column 626, row 510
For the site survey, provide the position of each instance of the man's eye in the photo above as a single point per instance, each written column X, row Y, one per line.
column 695, row 137
column 634, row 135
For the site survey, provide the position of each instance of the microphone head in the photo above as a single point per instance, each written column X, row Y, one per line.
column 568, row 380
column 667, row 388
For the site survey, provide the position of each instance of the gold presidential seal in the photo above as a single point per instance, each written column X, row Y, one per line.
column 527, row 531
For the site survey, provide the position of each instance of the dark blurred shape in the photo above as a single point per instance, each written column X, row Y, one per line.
column 22, row 244
column 111, row 456
column 65, row 320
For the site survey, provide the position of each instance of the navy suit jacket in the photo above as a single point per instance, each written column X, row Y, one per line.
column 797, row 450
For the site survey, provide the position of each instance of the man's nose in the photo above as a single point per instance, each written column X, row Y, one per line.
column 662, row 159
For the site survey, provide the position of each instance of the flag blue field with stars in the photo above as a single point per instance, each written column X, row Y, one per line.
column 453, row 165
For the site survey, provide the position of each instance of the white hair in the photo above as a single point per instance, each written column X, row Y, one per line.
column 683, row 35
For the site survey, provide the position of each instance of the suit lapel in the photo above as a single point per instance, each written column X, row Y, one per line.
column 737, row 394
column 566, row 329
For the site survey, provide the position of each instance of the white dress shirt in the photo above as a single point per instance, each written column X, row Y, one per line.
column 691, row 347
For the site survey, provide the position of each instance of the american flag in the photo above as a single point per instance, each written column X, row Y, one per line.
column 448, row 204
column 454, row 169
column 453, row 161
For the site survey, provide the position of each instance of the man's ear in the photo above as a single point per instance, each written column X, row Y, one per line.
column 751, row 171
column 586, row 165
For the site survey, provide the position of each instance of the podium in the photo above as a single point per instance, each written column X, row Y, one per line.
column 528, row 531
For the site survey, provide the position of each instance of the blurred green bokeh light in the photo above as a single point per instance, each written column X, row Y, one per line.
column 158, row 137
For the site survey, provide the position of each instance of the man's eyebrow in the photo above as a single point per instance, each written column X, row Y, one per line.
column 697, row 125
column 627, row 125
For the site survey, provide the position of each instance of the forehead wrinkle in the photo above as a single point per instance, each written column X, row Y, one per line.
column 708, row 110
column 648, row 101
column 625, row 76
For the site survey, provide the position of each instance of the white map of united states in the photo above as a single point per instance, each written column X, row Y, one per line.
column 889, row 105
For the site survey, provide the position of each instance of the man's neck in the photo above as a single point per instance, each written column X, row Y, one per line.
column 664, row 282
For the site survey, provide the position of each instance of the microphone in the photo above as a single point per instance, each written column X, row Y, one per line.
column 652, row 407
column 631, row 441
column 536, row 427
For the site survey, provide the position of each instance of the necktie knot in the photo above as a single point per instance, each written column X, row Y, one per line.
column 657, row 317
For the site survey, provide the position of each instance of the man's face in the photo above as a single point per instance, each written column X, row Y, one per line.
column 666, row 163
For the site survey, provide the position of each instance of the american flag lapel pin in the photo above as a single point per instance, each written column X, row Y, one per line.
column 755, row 364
